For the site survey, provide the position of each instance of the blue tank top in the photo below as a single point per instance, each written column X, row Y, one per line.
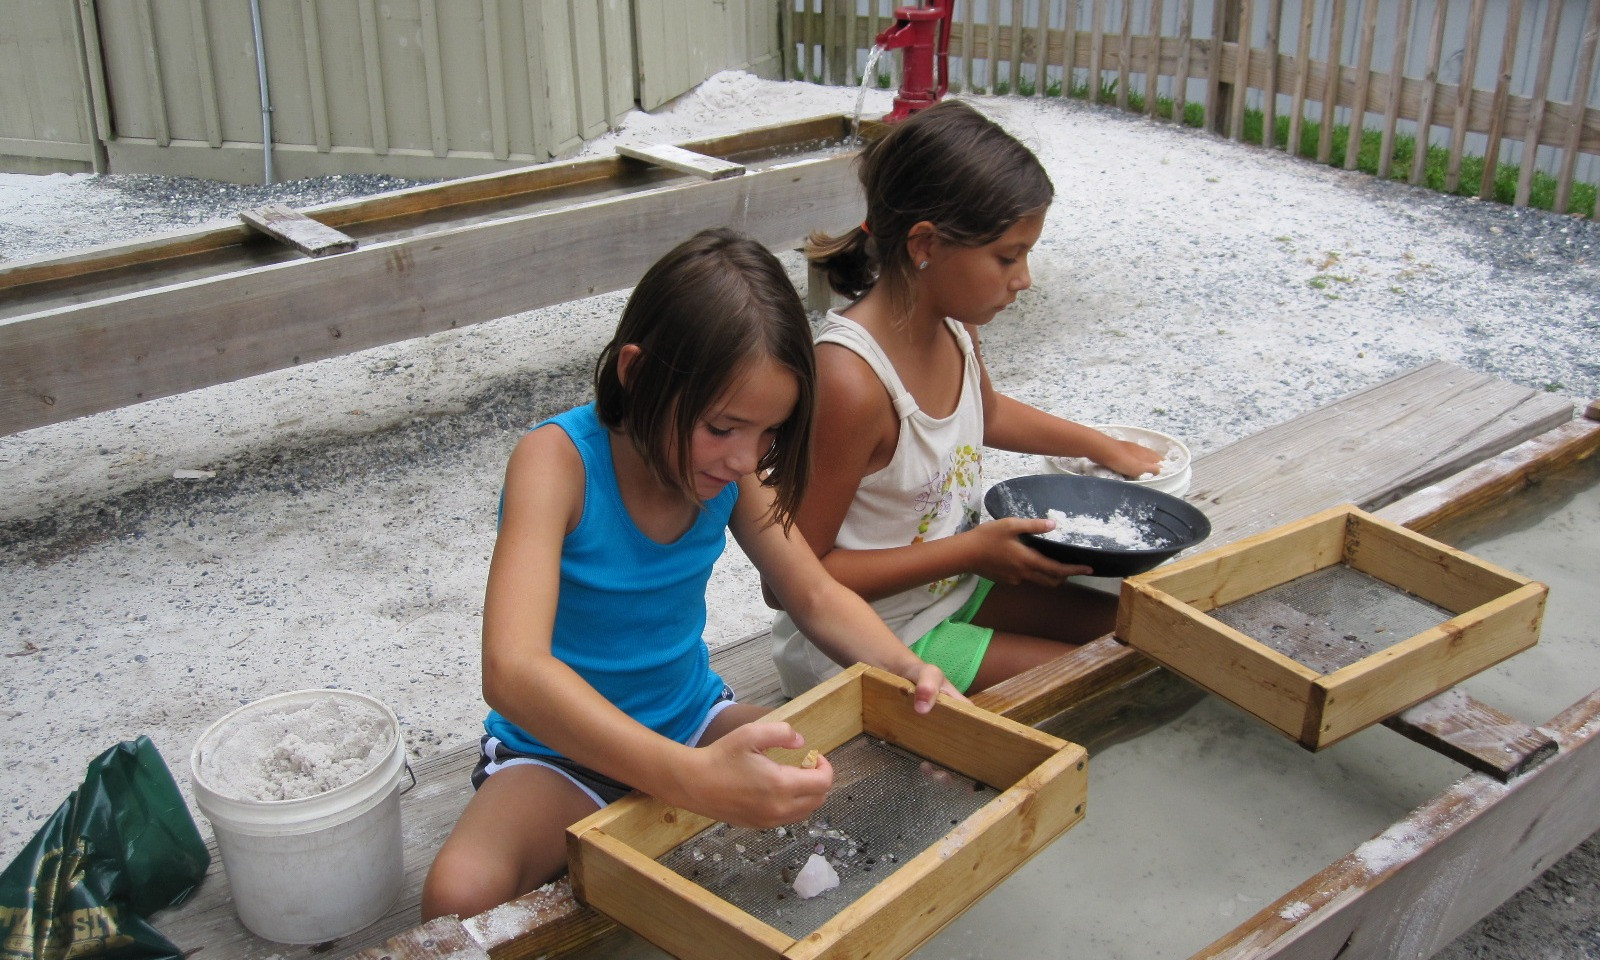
column 631, row 614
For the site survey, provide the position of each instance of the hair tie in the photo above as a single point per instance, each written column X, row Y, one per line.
column 866, row 229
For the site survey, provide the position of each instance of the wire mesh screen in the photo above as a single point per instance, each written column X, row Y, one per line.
column 1332, row 617
column 887, row 805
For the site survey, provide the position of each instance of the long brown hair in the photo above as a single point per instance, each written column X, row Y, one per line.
column 701, row 316
column 949, row 165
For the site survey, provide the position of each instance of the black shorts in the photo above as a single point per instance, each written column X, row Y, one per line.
column 494, row 755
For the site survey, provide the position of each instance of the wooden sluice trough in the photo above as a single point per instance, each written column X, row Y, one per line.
column 1425, row 447
column 118, row 325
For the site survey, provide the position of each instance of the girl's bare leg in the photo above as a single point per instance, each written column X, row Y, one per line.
column 733, row 716
column 510, row 840
column 1031, row 623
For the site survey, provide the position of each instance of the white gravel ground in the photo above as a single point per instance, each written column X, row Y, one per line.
column 1183, row 282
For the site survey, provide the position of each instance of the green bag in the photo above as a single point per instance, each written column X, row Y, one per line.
column 121, row 847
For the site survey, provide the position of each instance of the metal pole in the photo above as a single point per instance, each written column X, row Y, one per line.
column 266, row 98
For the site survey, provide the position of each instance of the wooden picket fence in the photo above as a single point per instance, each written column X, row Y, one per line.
column 1353, row 62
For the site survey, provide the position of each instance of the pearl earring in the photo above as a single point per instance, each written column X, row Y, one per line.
column 923, row 265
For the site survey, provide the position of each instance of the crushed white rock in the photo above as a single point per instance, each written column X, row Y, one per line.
column 1120, row 529
column 815, row 877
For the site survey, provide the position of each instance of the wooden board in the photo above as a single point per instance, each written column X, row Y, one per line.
column 683, row 161
column 310, row 237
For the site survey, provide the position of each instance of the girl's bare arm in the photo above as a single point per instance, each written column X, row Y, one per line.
column 731, row 779
column 832, row 615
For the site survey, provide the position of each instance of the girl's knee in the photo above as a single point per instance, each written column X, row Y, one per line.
column 463, row 886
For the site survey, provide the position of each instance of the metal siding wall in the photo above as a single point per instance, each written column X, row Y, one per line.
column 409, row 87
column 46, row 109
column 682, row 42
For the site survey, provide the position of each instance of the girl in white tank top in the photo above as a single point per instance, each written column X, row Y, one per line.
column 905, row 407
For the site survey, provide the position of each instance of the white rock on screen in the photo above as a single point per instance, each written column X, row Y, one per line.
column 816, row 876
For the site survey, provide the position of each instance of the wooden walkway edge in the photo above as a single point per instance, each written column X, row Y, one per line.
column 1371, row 448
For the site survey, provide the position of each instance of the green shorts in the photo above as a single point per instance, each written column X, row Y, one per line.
column 955, row 645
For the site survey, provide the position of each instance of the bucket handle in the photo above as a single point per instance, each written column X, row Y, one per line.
column 413, row 774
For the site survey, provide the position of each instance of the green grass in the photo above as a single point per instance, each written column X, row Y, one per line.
column 1435, row 165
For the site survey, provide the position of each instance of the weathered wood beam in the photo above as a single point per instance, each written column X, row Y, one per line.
column 84, row 359
column 1421, row 883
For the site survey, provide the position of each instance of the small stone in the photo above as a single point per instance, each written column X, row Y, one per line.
column 816, row 876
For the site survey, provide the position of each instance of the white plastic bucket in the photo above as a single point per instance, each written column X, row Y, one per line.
column 1174, row 478
column 311, row 868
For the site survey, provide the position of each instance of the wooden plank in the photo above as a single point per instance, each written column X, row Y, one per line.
column 1498, row 477
column 1538, row 101
column 1330, row 87
column 1397, row 69
column 1474, row 735
column 1015, row 77
column 1097, row 39
column 1069, row 46
column 1439, row 574
column 1180, row 85
column 1382, row 430
column 440, row 939
column 1124, row 51
column 1041, row 52
column 1214, row 92
column 1581, row 78
column 1152, row 59
column 1421, row 883
column 1302, row 79
column 1469, row 68
column 1269, row 98
column 88, row 28
column 73, row 361
column 1363, row 89
column 683, row 161
column 971, row 741
column 1430, row 86
column 1241, row 76
column 663, row 907
column 564, row 925
column 294, row 228
column 1082, row 673
column 1502, row 93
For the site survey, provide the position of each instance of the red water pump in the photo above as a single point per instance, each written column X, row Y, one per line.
column 923, row 32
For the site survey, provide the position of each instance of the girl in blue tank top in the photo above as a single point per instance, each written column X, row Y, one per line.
column 594, row 663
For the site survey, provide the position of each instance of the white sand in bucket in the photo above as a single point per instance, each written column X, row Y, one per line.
column 296, row 752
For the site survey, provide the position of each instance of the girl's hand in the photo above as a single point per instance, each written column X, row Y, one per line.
column 1131, row 459
column 930, row 682
column 1001, row 556
column 735, row 781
